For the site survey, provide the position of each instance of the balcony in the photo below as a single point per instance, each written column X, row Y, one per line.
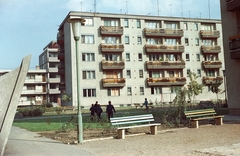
column 54, row 80
column 212, row 80
column 61, row 69
column 212, row 64
column 117, row 82
column 53, row 69
column 113, row 65
column 54, row 91
column 53, row 59
column 166, row 81
column 165, row 65
column 111, row 30
column 211, row 49
column 118, row 48
column 234, row 46
column 209, row 33
column 164, row 48
column 233, row 5
column 163, row 32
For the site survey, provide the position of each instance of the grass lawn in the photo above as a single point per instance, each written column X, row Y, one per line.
column 68, row 120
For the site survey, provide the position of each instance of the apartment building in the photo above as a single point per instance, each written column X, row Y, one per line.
column 126, row 58
column 42, row 84
column 230, row 12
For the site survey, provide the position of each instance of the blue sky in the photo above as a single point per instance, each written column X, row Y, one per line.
column 27, row 26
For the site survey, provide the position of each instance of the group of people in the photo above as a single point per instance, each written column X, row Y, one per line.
column 96, row 109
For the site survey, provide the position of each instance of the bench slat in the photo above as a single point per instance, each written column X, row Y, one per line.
column 129, row 119
column 132, row 122
column 134, row 116
column 212, row 117
column 136, row 126
column 198, row 115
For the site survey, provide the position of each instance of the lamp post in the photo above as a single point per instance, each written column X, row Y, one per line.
column 224, row 74
column 76, row 24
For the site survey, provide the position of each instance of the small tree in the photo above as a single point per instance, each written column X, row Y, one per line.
column 194, row 87
column 215, row 86
column 67, row 98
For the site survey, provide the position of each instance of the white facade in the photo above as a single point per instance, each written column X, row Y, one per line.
column 122, row 57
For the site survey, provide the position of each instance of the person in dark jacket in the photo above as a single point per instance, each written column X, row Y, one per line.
column 109, row 110
column 92, row 109
column 98, row 110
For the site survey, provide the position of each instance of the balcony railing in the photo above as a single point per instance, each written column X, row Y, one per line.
column 113, row 65
column 166, row 81
column 209, row 33
column 165, row 64
column 212, row 64
column 111, row 30
column 164, row 48
column 164, row 32
column 112, row 47
column 212, row 80
column 234, row 46
column 233, row 5
column 211, row 49
column 117, row 82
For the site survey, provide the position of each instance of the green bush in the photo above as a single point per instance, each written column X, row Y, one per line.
column 36, row 111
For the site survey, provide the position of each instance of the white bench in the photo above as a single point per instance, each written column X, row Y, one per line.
column 127, row 122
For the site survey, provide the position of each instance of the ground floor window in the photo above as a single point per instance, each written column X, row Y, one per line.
column 156, row 90
column 113, row 92
column 89, row 92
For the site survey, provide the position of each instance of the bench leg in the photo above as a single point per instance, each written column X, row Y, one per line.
column 194, row 123
column 121, row 134
column 153, row 130
column 218, row 121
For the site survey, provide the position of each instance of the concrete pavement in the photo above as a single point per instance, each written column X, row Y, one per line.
column 25, row 143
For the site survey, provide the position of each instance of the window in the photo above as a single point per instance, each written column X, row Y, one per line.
column 188, row 72
column 111, row 57
column 113, row 92
column 187, row 57
column 196, row 26
column 88, row 22
column 129, row 91
column 88, row 74
column 199, row 72
column 138, row 24
column 196, row 41
column 211, row 73
column 89, row 39
column 155, row 57
column 141, row 90
column 110, row 22
column 31, row 87
column 127, row 40
column 129, row 74
column 140, row 73
column 30, row 76
column 89, row 92
column 156, row 90
column 139, row 40
column 186, row 42
column 126, row 23
column 127, row 56
column 171, row 73
column 185, row 26
column 151, row 25
column 88, row 57
column 139, row 56
column 198, row 57
column 111, row 40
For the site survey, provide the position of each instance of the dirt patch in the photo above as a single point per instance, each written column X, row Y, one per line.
column 70, row 137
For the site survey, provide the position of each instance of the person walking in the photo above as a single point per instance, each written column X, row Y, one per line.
column 109, row 110
column 92, row 109
column 146, row 104
column 98, row 110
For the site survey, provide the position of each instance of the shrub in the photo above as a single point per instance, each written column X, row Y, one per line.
column 36, row 111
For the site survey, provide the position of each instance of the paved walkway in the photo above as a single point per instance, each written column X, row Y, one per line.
column 25, row 143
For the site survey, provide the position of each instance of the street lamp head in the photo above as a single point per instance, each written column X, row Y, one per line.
column 76, row 24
